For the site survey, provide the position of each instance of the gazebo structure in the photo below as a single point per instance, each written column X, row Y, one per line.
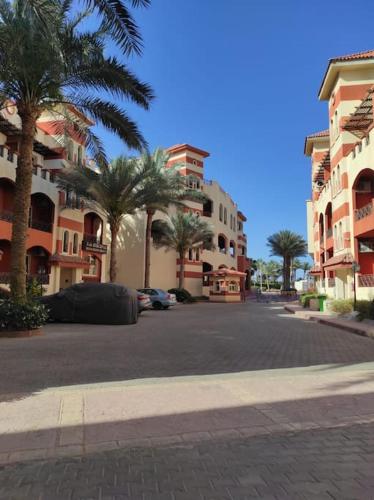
column 225, row 285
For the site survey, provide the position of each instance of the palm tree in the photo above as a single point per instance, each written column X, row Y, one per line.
column 165, row 187
column 115, row 16
column 119, row 189
column 184, row 231
column 295, row 265
column 288, row 245
column 53, row 70
column 305, row 267
column 273, row 270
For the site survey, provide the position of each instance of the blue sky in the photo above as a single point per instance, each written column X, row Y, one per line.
column 240, row 80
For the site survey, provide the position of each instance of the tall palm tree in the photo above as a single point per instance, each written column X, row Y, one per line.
column 165, row 187
column 120, row 188
column 51, row 70
column 183, row 231
column 288, row 245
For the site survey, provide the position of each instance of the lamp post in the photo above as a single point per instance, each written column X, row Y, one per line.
column 355, row 269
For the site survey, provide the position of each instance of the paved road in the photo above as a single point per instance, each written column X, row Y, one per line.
column 187, row 340
column 277, row 408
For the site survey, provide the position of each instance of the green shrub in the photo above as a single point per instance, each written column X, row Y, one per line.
column 341, row 306
column 34, row 288
column 182, row 295
column 201, row 298
column 21, row 316
column 305, row 298
column 365, row 309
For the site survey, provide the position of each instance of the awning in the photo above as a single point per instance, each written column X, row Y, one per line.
column 68, row 261
column 343, row 261
column 315, row 270
column 361, row 120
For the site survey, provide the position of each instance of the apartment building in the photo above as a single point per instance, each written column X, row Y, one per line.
column 66, row 240
column 340, row 214
column 220, row 210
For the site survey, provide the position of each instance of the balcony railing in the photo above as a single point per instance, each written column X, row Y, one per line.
column 92, row 243
column 6, row 215
column 366, row 280
column 363, row 212
column 47, row 227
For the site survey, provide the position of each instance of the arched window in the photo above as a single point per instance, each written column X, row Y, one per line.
column 340, row 235
column 190, row 254
column 75, row 243
column 336, row 243
column 225, row 216
column 333, row 183
column 338, row 179
column 65, row 243
column 234, row 224
column 193, row 182
column 230, row 221
column 70, row 150
column 221, row 212
column 197, row 254
column 221, row 243
column 79, row 160
column 232, row 248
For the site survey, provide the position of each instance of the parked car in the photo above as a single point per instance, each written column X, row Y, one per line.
column 144, row 301
column 95, row 303
column 160, row 299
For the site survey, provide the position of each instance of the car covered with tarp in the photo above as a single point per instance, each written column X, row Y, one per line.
column 94, row 303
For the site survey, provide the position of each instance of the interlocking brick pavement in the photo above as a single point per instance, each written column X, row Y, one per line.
column 314, row 464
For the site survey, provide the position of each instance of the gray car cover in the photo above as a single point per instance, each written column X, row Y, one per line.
column 95, row 303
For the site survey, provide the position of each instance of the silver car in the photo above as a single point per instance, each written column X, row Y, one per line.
column 160, row 299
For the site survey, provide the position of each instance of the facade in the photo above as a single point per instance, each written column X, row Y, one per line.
column 340, row 214
column 220, row 210
column 66, row 240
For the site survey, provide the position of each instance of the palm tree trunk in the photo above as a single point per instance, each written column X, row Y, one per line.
column 287, row 273
column 148, row 234
column 22, row 201
column 114, row 228
column 181, row 271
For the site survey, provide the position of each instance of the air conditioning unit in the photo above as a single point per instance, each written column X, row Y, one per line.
column 364, row 187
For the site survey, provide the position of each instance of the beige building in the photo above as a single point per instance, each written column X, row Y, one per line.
column 220, row 210
column 340, row 213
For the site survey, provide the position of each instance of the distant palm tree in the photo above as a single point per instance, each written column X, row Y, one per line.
column 53, row 67
column 295, row 265
column 120, row 189
column 305, row 268
column 288, row 245
column 182, row 232
column 165, row 186
column 273, row 269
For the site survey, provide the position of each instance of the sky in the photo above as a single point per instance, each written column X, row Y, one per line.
column 239, row 78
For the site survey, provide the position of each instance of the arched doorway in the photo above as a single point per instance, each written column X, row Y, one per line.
column 41, row 212
column 37, row 264
column 206, row 269
column 5, row 249
column 93, row 228
column 6, row 199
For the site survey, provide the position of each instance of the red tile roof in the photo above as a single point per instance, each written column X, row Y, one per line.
column 368, row 54
column 322, row 133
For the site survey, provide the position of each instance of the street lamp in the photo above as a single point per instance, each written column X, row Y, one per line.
column 355, row 269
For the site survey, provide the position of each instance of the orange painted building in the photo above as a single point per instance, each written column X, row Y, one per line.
column 66, row 241
column 340, row 212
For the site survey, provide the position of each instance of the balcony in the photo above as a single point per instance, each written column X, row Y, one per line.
column 364, row 219
column 92, row 243
column 366, row 280
column 47, row 227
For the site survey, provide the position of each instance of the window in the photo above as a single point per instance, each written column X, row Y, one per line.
column 232, row 248
column 70, row 150
column 221, row 212
column 338, row 179
column 193, row 182
column 221, row 244
column 354, row 153
column 75, row 243
column 240, row 226
column 367, row 140
column 234, row 224
column 336, row 131
column 79, row 156
column 335, row 237
column 92, row 270
column 341, row 243
column 197, row 254
column 217, row 286
column 233, row 286
column 359, row 147
column 65, row 242
column 333, row 183
column 190, row 255
column 225, row 216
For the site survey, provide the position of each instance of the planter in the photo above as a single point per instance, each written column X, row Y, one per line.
column 21, row 333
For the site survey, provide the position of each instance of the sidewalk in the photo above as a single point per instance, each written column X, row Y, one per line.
column 359, row 328
column 78, row 420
